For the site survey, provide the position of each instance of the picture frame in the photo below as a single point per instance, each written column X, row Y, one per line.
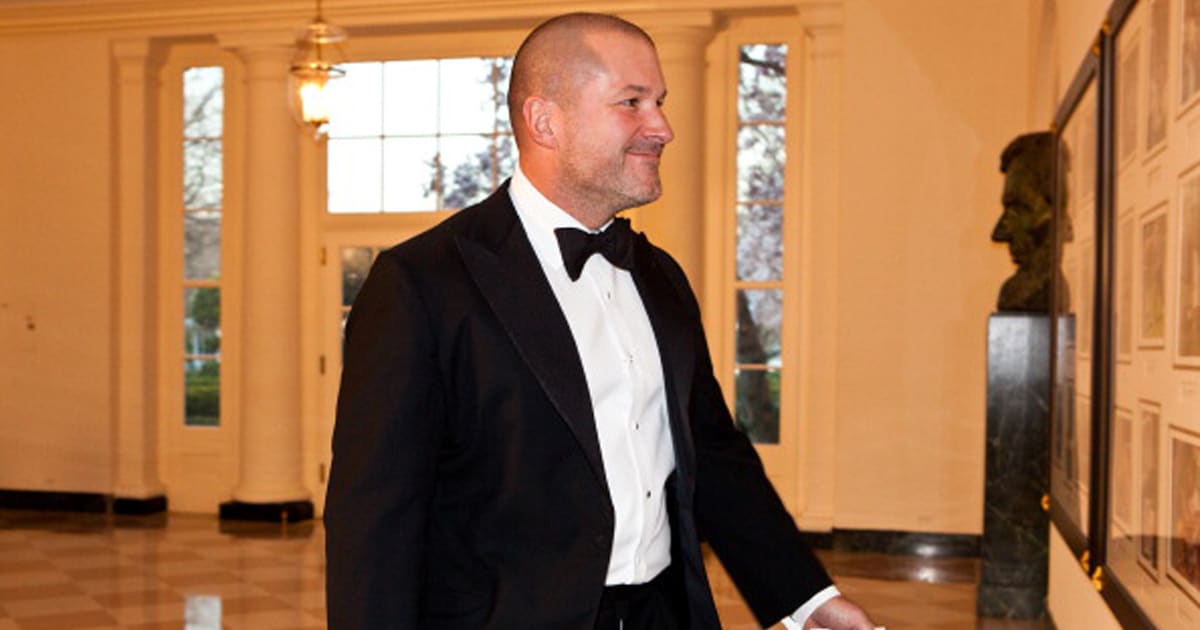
column 1187, row 270
column 1189, row 54
column 1128, row 116
column 1085, row 318
column 1076, row 138
column 1152, row 241
column 1158, row 56
column 1183, row 541
column 1123, row 308
column 1146, row 488
column 1121, row 483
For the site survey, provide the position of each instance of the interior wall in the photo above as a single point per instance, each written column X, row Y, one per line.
column 55, row 253
column 934, row 90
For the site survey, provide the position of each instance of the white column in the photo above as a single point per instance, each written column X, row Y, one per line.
column 820, row 208
column 676, row 221
column 137, row 487
column 271, row 453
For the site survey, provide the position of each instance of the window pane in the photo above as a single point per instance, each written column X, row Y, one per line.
column 202, row 245
column 356, row 262
column 466, row 170
column 202, row 320
column 762, row 82
column 203, row 102
column 202, row 393
column 757, row 405
column 760, row 161
column 467, row 97
column 355, row 175
column 506, row 157
column 759, row 322
column 759, row 242
column 503, row 69
column 411, row 167
column 409, row 107
column 356, row 101
column 202, row 174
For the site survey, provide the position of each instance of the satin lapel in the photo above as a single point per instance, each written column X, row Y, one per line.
column 508, row 274
column 672, row 326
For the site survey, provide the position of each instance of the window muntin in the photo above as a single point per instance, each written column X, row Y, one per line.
column 202, row 196
column 758, row 282
column 419, row 135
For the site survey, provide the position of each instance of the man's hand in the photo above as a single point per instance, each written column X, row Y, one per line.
column 839, row 613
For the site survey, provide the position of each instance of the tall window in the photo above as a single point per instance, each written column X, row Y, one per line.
column 203, row 189
column 758, row 283
column 418, row 136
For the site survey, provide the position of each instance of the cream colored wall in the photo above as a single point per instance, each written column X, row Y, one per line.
column 55, row 251
column 934, row 90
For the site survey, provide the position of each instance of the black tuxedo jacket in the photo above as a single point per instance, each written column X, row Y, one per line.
column 467, row 489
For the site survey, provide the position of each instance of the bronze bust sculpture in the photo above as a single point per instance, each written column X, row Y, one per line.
column 1027, row 223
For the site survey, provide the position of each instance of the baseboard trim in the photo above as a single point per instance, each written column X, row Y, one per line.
column 285, row 511
column 897, row 543
column 51, row 501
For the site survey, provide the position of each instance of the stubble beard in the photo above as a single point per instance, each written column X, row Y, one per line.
column 616, row 185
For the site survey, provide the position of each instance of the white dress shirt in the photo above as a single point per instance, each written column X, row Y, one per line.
column 625, row 380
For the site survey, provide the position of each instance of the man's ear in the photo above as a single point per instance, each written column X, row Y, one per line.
column 541, row 119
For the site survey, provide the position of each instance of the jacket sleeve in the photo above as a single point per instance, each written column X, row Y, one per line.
column 390, row 411
column 738, row 511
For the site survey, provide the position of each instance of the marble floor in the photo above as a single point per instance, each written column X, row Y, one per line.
column 64, row 570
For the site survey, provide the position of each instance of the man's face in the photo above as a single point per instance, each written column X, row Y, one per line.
column 615, row 128
column 1025, row 223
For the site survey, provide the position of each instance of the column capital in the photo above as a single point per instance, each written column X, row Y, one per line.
column 136, row 59
column 821, row 16
column 679, row 35
column 667, row 27
column 267, row 41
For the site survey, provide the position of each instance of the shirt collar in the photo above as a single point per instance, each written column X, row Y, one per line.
column 540, row 217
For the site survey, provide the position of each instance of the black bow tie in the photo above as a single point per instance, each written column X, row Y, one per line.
column 615, row 244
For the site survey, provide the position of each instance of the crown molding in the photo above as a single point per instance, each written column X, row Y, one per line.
column 174, row 18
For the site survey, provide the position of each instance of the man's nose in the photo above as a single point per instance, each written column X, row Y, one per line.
column 657, row 127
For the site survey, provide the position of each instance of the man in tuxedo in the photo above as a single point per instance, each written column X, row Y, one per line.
column 530, row 436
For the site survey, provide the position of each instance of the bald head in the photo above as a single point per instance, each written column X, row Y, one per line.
column 557, row 56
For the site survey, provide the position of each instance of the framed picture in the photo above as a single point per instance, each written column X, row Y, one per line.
column 1146, row 488
column 1189, row 53
column 1123, row 308
column 1121, row 484
column 1183, row 549
column 1075, row 218
column 1087, row 150
column 1127, row 99
column 1187, row 316
column 1157, row 58
column 1087, row 286
column 1152, row 267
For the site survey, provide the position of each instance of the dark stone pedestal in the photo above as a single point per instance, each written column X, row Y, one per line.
column 1015, row 526
column 286, row 512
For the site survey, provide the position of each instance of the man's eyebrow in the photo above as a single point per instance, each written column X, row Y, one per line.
column 641, row 89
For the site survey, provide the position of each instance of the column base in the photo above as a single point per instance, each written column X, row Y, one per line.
column 285, row 511
column 140, row 506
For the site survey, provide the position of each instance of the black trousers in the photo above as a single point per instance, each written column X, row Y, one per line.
column 655, row 605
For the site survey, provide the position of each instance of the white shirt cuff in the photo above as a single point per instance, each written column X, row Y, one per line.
column 795, row 621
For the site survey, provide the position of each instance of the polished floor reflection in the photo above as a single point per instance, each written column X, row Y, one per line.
column 63, row 570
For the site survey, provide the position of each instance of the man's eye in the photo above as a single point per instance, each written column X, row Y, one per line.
column 630, row 102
